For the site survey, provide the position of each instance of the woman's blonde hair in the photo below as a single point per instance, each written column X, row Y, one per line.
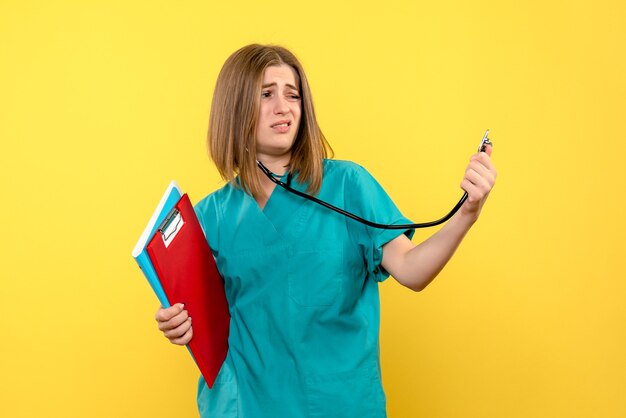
column 234, row 116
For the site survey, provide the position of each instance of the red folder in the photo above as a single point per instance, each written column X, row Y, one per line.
column 186, row 268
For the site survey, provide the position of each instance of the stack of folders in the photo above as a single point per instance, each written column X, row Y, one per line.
column 176, row 259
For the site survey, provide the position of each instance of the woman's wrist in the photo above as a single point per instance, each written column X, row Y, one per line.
column 467, row 217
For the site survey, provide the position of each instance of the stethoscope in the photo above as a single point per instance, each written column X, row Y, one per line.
column 287, row 186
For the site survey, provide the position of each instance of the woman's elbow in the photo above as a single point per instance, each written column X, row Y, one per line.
column 417, row 287
column 414, row 285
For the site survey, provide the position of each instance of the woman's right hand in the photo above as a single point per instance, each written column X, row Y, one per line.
column 175, row 323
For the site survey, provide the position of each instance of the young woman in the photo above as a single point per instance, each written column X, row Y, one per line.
column 302, row 281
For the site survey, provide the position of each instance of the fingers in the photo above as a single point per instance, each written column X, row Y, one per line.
column 165, row 314
column 475, row 192
column 185, row 338
column 480, row 176
column 172, row 317
column 482, row 164
column 483, row 159
column 175, row 323
column 181, row 334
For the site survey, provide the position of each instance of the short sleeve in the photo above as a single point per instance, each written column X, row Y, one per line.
column 208, row 214
column 374, row 204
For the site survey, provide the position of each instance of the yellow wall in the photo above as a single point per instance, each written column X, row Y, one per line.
column 103, row 102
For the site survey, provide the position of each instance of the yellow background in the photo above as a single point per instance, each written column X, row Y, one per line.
column 103, row 102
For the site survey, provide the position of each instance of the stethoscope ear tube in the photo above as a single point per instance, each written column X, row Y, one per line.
column 287, row 187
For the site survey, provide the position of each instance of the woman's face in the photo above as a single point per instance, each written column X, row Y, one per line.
column 279, row 113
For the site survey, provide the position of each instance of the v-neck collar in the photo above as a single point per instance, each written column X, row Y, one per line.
column 285, row 212
column 282, row 178
column 288, row 212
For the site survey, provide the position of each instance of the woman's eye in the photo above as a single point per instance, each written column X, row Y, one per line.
column 266, row 94
column 294, row 97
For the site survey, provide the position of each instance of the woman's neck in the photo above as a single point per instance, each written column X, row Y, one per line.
column 276, row 164
column 279, row 166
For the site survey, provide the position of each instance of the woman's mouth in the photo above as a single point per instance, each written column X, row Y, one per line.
column 281, row 126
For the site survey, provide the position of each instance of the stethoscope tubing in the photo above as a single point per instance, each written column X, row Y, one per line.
column 483, row 144
column 290, row 189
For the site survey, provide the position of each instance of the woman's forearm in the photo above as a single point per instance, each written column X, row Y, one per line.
column 418, row 266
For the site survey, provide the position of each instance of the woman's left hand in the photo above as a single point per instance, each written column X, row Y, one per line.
column 479, row 179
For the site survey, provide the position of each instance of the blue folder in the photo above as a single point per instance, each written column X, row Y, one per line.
column 169, row 199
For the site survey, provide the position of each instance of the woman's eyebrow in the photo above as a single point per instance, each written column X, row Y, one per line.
column 291, row 86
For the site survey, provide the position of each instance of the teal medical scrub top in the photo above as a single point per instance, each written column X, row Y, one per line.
column 302, row 288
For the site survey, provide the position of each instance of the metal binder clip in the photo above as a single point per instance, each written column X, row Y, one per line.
column 170, row 226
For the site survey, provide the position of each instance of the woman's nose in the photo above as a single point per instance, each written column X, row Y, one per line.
column 281, row 106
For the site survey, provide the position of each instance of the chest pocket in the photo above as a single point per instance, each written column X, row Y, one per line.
column 316, row 275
